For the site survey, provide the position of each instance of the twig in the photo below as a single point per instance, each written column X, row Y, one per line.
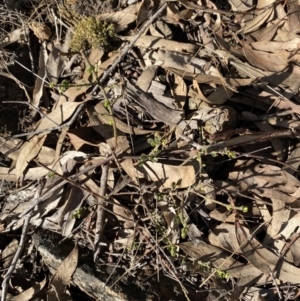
column 244, row 140
column 16, row 257
column 274, row 281
column 100, row 213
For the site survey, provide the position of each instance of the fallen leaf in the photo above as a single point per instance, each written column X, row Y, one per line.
column 62, row 277
column 266, row 60
column 29, row 151
column 167, row 176
column 255, row 23
column 9, row 252
column 31, row 292
column 40, row 79
column 263, row 259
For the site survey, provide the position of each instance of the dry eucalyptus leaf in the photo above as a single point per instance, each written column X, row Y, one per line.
column 73, row 203
column 40, row 79
column 146, row 77
column 293, row 160
column 121, row 19
column 293, row 16
column 62, row 278
column 56, row 62
column 262, row 18
column 122, row 147
column 173, row 229
column 268, row 61
column 267, row 33
column 150, row 42
column 58, row 116
column 267, row 181
column 9, row 252
column 223, row 236
column 167, row 176
column 123, row 215
column 12, row 37
column 29, row 151
column 179, row 92
column 31, row 292
column 240, row 6
column 143, row 12
column 263, row 259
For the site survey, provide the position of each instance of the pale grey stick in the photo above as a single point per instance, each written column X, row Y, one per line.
column 16, row 257
column 100, row 213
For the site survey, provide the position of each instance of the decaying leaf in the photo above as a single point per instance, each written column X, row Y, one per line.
column 9, row 252
column 268, row 181
column 62, row 278
column 167, row 176
column 31, row 292
column 28, row 152
column 263, row 259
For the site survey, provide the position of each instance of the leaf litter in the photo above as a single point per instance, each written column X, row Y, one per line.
column 197, row 128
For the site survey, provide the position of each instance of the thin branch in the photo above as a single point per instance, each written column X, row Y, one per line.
column 16, row 257
column 100, row 213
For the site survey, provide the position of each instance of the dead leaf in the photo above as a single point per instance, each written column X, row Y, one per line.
column 9, row 252
column 293, row 16
column 241, row 6
column 145, row 79
column 293, row 160
column 74, row 198
column 29, row 151
column 173, row 229
column 62, row 277
column 267, row 33
column 168, row 176
column 219, row 259
column 12, row 37
column 56, row 62
column 179, row 92
column 158, row 110
column 266, row 180
column 263, row 259
column 264, row 17
column 121, row 19
column 106, row 131
column 123, row 214
column 39, row 82
column 159, row 43
column 31, row 292
column 266, row 60
column 143, row 12
column 12, row 148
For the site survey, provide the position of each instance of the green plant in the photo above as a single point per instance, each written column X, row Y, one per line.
column 91, row 32
column 79, row 212
column 222, row 274
column 51, row 175
column 91, row 69
column 145, row 158
column 208, row 268
column 65, row 84
column 172, row 249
